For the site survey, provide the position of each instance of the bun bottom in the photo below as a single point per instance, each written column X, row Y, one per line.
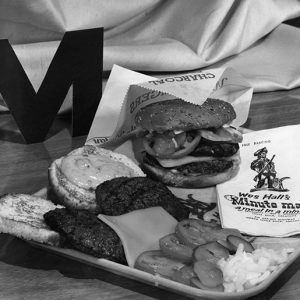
column 177, row 179
column 64, row 192
column 75, row 189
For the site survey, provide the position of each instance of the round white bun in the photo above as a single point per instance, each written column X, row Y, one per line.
column 74, row 196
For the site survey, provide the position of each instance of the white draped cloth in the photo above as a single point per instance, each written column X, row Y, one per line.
column 164, row 36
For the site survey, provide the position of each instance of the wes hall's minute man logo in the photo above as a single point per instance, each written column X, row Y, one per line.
column 266, row 177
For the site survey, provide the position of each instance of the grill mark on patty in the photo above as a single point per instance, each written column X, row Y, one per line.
column 137, row 193
column 213, row 166
column 216, row 149
column 205, row 167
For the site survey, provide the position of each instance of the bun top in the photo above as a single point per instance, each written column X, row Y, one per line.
column 177, row 114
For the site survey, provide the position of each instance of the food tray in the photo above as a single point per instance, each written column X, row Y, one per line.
column 163, row 283
column 173, row 286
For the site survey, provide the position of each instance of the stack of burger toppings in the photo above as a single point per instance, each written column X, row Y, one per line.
column 187, row 145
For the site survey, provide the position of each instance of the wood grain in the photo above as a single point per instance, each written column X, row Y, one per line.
column 30, row 273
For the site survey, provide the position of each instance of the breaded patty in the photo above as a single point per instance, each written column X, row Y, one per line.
column 21, row 215
column 123, row 194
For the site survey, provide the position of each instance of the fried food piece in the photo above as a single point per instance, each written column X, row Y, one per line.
column 21, row 215
column 123, row 194
column 85, row 232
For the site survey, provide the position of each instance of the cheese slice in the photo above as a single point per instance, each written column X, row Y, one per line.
column 170, row 163
column 141, row 230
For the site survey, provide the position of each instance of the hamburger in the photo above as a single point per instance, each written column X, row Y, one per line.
column 188, row 145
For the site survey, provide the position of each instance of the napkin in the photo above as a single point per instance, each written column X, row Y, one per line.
column 263, row 199
column 164, row 36
column 125, row 89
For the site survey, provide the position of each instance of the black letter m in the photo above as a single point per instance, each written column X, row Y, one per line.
column 78, row 61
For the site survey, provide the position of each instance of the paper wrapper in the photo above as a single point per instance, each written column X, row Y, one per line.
column 126, row 92
column 263, row 199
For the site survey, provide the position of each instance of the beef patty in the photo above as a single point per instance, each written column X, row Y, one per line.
column 215, row 149
column 210, row 167
column 83, row 231
column 123, row 194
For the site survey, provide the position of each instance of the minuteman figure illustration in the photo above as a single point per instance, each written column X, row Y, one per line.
column 264, row 167
column 266, row 173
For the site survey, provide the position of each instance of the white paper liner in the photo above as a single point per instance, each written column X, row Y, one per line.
column 252, row 203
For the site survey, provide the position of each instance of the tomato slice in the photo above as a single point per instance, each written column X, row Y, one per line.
column 172, row 247
column 235, row 241
column 168, row 146
column 223, row 233
column 212, row 252
column 197, row 283
column 159, row 145
column 184, row 275
column 208, row 273
column 194, row 232
column 222, row 134
column 180, row 138
column 164, row 144
column 188, row 147
column 156, row 263
column 148, row 148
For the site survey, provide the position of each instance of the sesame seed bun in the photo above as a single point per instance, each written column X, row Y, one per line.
column 177, row 114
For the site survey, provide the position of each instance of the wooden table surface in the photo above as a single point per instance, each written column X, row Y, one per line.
column 30, row 273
